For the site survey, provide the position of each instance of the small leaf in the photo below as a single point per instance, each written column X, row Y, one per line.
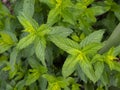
column 49, row 78
column 69, row 66
column 33, row 76
column 24, row 42
column 68, row 17
column 117, row 50
column 34, row 63
column 94, row 37
column 53, row 16
column 4, row 47
column 116, row 66
column 6, row 37
column 40, row 50
column 13, row 58
column 99, row 67
column 92, row 48
column 20, row 85
column 75, row 87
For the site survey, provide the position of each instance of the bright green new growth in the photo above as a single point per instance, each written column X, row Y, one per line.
column 59, row 45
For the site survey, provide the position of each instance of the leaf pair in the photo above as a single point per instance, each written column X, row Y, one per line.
column 79, row 53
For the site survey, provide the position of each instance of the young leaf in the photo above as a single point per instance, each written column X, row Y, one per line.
column 4, row 47
column 29, row 24
column 94, row 37
column 6, row 37
column 69, row 65
column 24, row 42
column 33, row 76
column 66, row 44
column 40, row 50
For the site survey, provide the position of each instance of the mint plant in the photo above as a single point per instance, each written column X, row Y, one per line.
column 59, row 45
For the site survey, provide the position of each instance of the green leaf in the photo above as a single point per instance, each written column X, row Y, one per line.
column 42, row 83
column 13, row 58
column 34, row 63
column 105, row 78
column 66, row 44
column 69, row 65
column 113, row 40
column 117, row 50
column 99, row 68
column 20, row 85
column 50, row 78
column 50, row 3
column 75, row 87
column 6, row 37
column 116, row 66
column 60, row 31
column 29, row 24
column 87, row 69
column 99, row 10
column 4, row 47
column 68, row 17
column 53, row 16
column 94, row 37
column 28, row 7
column 24, row 42
column 32, row 76
column 40, row 50
column 92, row 48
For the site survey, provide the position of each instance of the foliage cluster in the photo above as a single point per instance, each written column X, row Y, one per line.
column 59, row 45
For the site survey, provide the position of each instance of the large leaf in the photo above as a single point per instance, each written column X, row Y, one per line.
column 66, row 44
column 94, row 37
column 40, row 50
column 24, row 42
column 60, row 31
column 28, row 7
column 69, row 65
